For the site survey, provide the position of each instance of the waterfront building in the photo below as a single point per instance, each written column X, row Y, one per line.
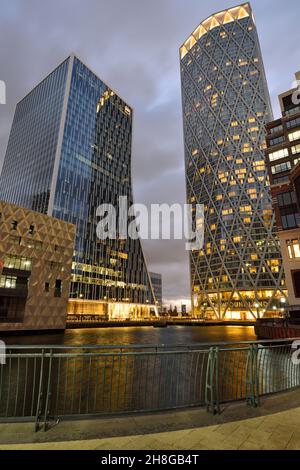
column 226, row 105
column 69, row 151
column 283, row 160
column 156, row 280
column 35, row 268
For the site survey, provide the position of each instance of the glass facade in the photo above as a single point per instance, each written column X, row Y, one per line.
column 226, row 106
column 156, row 280
column 84, row 162
column 29, row 161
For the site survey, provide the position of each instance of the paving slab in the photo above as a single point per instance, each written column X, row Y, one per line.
column 274, row 425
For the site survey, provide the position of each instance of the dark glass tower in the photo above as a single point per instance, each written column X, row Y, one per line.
column 70, row 151
column 226, row 106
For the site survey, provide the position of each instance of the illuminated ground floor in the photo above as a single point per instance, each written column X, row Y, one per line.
column 239, row 305
column 104, row 310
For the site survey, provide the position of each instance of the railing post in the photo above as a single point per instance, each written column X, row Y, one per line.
column 212, row 400
column 40, row 393
column 252, row 382
column 48, row 393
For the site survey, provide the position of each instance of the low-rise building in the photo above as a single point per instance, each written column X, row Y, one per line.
column 35, row 269
column 283, row 157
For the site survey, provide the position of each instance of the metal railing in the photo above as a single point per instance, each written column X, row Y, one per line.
column 44, row 383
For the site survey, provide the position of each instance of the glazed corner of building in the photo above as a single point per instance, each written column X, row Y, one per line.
column 71, row 58
column 220, row 18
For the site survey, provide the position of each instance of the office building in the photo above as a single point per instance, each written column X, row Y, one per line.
column 69, row 151
column 283, row 159
column 156, row 280
column 35, row 269
column 226, row 105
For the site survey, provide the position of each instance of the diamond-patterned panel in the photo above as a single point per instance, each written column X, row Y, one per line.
column 47, row 244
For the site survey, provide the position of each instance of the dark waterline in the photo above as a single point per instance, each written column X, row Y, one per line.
column 141, row 335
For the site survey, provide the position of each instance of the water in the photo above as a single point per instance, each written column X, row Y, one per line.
column 141, row 335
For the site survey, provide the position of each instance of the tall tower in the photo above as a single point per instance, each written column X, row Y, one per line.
column 226, row 106
column 70, row 151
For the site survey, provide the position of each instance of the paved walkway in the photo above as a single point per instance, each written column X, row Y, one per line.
column 261, row 428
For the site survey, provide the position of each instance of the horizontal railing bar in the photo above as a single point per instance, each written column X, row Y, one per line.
column 133, row 353
column 150, row 346
column 111, row 354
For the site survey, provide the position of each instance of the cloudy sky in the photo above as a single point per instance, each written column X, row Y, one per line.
column 133, row 46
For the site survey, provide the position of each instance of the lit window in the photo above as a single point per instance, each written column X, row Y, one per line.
column 278, row 155
column 247, row 148
column 296, row 149
column 293, row 248
column 296, row 247
column 281, row 168
column 294, row 136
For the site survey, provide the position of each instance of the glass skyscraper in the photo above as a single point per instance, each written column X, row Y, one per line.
column 70, row 151
column 226, row 105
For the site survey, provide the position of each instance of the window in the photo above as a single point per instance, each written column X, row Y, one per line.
column 35, row 244
column 286, row 199
column 294, row 136
column 31, row 229
column 281, row 180
column 290, row 220
column 276, row 129
column 17, row 262
column 47, row 287
column 296, row 283
column 14, row 225
column 290, row 112
column 293, row 123
column 58, row 287
column 8, row 282
column 296, row 149
column 281, row 168
column 278, row 155
column 276, row 141
column 293, row 248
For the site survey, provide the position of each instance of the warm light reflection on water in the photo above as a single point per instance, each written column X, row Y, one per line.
column 142, row 335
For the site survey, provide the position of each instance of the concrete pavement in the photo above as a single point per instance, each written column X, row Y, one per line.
column 273, row 426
